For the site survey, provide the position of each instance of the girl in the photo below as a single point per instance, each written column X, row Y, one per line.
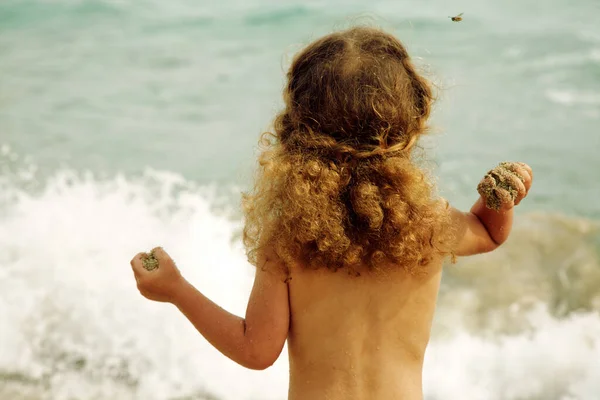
column 346, row 233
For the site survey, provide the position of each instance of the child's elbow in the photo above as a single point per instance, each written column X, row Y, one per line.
column 260, row 362
column 259, row 365
column 490, row 246
column 261, row 357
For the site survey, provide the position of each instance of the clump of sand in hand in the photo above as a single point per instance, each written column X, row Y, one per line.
column 499, row 186
column 150, row 262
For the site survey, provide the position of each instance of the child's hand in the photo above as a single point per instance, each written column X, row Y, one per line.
column 160, row 284
column 506, row 185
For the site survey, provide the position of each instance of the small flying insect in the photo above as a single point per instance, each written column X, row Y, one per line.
column 458, row 18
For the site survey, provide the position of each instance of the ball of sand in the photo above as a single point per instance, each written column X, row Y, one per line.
column 500, row 185
column 150, row 262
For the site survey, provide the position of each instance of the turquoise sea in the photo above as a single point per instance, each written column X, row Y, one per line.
column 129, row 124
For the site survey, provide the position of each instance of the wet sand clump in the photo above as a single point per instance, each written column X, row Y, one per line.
column 150, row 262
column 499, row 186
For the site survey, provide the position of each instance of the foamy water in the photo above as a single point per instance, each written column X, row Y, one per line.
column 72, row 320
column 72, row 325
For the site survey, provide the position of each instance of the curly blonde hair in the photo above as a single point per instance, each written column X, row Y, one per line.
column 336, row 186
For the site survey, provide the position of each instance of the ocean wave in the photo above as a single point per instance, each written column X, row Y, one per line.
column 74, row 325
column 586, row 59
column 70, row 314
column 556, row 360
column 549, row 259
column 571, row 97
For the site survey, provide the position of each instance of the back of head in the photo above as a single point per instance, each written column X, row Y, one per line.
column 337, row 187
column 357, row 87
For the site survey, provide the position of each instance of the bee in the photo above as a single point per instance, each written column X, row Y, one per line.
column 458, row 18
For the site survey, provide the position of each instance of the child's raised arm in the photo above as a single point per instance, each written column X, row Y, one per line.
column 254, row 342
column 484, row 229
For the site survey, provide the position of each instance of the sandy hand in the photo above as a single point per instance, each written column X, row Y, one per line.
column 156, row 275
column 506, row 185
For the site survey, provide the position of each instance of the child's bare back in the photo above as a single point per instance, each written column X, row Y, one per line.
column 359, row 337
column 346, row 234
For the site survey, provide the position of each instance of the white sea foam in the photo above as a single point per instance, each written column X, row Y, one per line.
column 72, row 324
column 571, row 97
